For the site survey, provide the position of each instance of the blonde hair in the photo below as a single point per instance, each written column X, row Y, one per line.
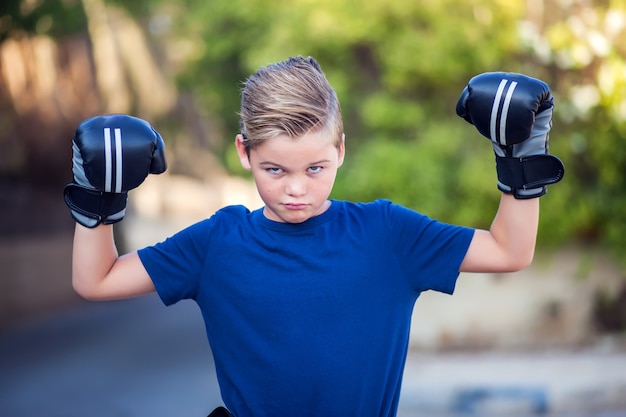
column 290, row 97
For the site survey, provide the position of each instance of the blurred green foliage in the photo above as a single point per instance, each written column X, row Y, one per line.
column 54, row 18
column 398, row 67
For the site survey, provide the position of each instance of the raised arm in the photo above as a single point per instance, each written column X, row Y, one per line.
column 509, row 244
column 98, row 273
column 514, row 111
column 111, row 155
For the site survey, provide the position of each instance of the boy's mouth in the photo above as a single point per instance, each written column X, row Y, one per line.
column 295, row 206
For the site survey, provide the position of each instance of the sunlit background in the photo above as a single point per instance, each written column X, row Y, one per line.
column 550, row 340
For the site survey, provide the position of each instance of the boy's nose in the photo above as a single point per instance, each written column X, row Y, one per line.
column 296, row 187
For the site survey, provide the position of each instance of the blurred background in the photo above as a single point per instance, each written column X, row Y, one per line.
column 548, row 340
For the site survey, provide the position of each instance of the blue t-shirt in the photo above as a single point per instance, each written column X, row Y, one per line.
column 309, row 319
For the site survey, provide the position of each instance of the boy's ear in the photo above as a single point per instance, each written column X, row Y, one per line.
column 242, row 153
column 342, row 149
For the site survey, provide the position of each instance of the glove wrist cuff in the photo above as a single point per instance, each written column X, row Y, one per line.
column 91, row 207
column 526, row 177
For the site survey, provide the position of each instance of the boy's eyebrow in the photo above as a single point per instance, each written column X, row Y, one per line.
column 266, row 163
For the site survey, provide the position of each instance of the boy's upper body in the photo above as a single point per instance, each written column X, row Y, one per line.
column 309, row 318
column 307, row 302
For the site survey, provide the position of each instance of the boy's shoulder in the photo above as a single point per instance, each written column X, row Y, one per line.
column 387, row 212
column 227, row 215
column 375, row 206
column 233, row 210
column 363, row 204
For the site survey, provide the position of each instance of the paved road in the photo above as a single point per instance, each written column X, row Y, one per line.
column 124, row 358
column 589, row 383
column 137, row 358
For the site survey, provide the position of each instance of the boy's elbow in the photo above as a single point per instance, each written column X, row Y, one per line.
column 85, row 291
column 82, row 292
column 521, row 261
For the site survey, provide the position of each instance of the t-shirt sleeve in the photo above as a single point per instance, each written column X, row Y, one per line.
column 430, row 252
column 176, row 264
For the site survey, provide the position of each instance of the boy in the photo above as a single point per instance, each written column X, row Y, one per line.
column 307, row 302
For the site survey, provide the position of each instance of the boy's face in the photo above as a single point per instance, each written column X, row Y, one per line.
column 294, row 177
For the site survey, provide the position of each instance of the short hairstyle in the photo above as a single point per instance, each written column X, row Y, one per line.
column 290, row 97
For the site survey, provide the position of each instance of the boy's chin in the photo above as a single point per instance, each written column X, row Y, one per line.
column 287, row 216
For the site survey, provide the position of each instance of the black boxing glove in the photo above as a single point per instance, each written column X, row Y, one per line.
column 514, row 111
column 111, row 155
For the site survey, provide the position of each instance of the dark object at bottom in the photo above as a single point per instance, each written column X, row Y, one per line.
column 220, row 412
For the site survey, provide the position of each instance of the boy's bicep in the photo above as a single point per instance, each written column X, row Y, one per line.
column 483, row 254
column 127, row 278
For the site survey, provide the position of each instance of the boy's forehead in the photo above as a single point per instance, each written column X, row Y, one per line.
column 311, row 147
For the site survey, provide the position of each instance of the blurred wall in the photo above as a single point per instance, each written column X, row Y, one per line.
column 47, row 87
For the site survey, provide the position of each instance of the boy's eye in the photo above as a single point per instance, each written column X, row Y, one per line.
column 274, row 171
column 315, row 169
